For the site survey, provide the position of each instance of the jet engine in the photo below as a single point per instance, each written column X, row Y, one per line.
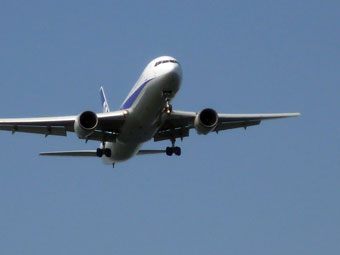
column 85, row 124
column 206, row 121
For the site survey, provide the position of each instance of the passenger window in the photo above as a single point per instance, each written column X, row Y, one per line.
column 166, row 61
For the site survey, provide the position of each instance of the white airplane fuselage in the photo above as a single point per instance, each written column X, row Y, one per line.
column 145, row 104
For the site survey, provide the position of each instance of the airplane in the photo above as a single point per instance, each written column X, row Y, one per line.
column 145, row 114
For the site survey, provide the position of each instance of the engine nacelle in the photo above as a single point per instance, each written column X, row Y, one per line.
column 85, row 124
column 206, row 121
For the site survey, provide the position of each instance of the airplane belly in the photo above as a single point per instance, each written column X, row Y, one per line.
column 145, row 117
column 120, row 152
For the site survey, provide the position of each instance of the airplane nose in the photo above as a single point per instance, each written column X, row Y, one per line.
column 176, row 70
column 175, row 74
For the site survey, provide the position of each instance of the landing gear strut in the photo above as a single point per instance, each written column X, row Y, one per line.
column 173, row 150
column 168, row 107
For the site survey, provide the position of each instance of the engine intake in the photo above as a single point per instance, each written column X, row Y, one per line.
column 206, row 121
column 85, row 124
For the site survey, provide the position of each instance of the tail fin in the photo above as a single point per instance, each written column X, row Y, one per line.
column 104, row 101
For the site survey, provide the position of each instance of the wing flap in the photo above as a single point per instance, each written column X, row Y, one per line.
column 102, row 136
column 171, row 134
column 58, row 131
column 236, row 124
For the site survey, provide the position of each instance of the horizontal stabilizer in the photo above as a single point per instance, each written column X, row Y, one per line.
column 70, row 153
column 91, row 153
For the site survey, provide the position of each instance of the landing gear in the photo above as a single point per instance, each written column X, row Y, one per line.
column 177, row 151
column 107, row 152
column 168, row 107
column 167, row 95
column 173, row 150
column 99, row 153
column 169, row 151
column 104, row 151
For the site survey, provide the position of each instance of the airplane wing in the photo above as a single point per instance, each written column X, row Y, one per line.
column 108, row 124
column 179, row 123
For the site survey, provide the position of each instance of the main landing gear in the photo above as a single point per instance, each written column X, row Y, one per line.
column 105, row 151
column 173, row 150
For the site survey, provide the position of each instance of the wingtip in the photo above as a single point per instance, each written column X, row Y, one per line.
column 294, row 114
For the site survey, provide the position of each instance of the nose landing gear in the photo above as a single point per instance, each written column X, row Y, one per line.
column 168, row 107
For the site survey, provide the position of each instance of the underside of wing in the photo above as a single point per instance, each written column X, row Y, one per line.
column 179, row 123
column 230, row 121
column 58, row 131
column 106, row 128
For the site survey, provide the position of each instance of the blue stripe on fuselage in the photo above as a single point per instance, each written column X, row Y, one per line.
column 129, row 101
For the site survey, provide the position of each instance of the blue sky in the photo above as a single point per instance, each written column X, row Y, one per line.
column 272, row 189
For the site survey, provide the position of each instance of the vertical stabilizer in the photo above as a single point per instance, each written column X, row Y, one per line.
column 105, row 105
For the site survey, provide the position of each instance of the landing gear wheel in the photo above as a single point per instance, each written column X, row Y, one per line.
column 107, row 152
column 173, row 150
column 99, row 153
column 177, row 151
column 169, row 151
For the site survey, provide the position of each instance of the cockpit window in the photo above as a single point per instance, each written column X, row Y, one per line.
column 166, row 61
